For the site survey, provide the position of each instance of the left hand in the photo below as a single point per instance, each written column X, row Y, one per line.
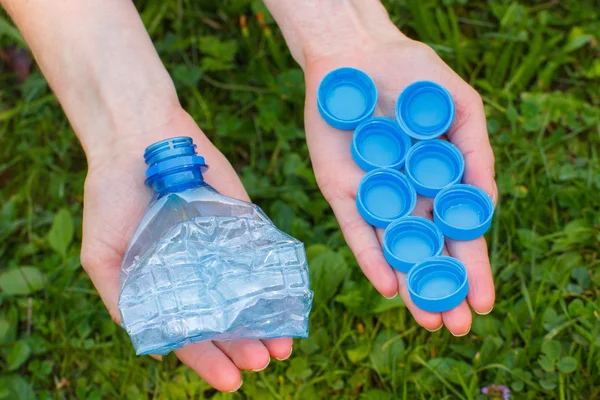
column 116, row 199
column 393, row 63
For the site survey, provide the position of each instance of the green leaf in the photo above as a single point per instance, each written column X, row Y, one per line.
column 576, row 308
column 377, row 394
column 582, row 276
column 22, row 281
column 577, row 39
column 486, row 325
column 327, row 271
column 388, row 348
column 551, row 349
column 315, row 250
column 61, row 232
column 567, row 364
column 360, row 298
column 7, row 29
column 282, row 215
column 489, row 350
column 546, row 363
column 384, row 304
column 213, row 46
column 17, row 387
column 547, row 384
column 352, row 299
column 551, row 319
column 4, row 328
column 17, row 355
column 298, row 369
column 258, row 6
column 185, row 76
column 211, row 64
column 221, row 53
column 594, row 70
column 452, row 370
column 359, row 353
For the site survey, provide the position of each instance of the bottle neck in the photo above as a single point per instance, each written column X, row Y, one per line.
column 177, row 181
column 174, row 166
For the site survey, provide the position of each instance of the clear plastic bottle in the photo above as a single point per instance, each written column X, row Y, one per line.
column 203, row 266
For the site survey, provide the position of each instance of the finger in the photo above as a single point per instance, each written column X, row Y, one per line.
column 379, row 112
column 474, row 256
column 469, row 134
column 458, row 320
column 424, row 207
column 246, row 354
column 211, row 365
column 104, row 242
column 428, row 320
column 221, row 174
column 363, row 242
column 280, row 348
column 104, row 270
column 338, row 177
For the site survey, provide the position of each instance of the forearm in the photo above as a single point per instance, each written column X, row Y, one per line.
column 318, row 28
column 100, row 62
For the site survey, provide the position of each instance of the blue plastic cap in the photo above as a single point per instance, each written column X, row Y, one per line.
column 433, row 165
column 173, row 161
column 425, row 110
column 383, row 196
column 346, row 97
column 409, row 240
column 463, row 212
column 438, row 284
column 379, row 143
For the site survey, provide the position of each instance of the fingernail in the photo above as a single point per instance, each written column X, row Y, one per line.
column 266, row 365
column 286, row 357
column 494, row 188
column 463, row 334
column 436, row 329
column 485, row 313
column 156, row 357
column 391, row 297
column 237, row 388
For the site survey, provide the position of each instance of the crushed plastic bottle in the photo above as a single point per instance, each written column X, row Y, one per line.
column 203, row 266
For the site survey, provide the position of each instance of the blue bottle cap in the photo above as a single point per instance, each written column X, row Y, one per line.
column 174, row 154
column 438, row 284
column 425, row 110
column 433, row 165
column 346, row 97
column 409, row 240
column 379, row 143
column 463, row 212
column 385, row 195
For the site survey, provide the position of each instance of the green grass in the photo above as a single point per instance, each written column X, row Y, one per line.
column 537, row 67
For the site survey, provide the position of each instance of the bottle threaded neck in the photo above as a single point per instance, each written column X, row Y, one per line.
column 173, row 165
column 169, row 148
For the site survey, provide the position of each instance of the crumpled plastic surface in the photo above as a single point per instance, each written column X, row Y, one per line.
column 223, row 277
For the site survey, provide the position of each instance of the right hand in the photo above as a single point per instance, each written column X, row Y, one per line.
column 114, row 201
column 393, row 63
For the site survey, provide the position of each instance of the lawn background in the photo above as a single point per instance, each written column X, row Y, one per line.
column 537, row 67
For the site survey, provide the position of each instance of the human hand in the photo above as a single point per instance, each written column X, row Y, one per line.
column 115, row 199
column 394, row 61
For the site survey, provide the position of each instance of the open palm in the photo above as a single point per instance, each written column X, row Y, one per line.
column 393, row 65
column 115, row 200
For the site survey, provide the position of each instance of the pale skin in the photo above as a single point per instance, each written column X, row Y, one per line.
column 101, row 64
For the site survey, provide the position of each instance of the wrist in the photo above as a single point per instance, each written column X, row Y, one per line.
column 126, row 140
column 316, row 29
